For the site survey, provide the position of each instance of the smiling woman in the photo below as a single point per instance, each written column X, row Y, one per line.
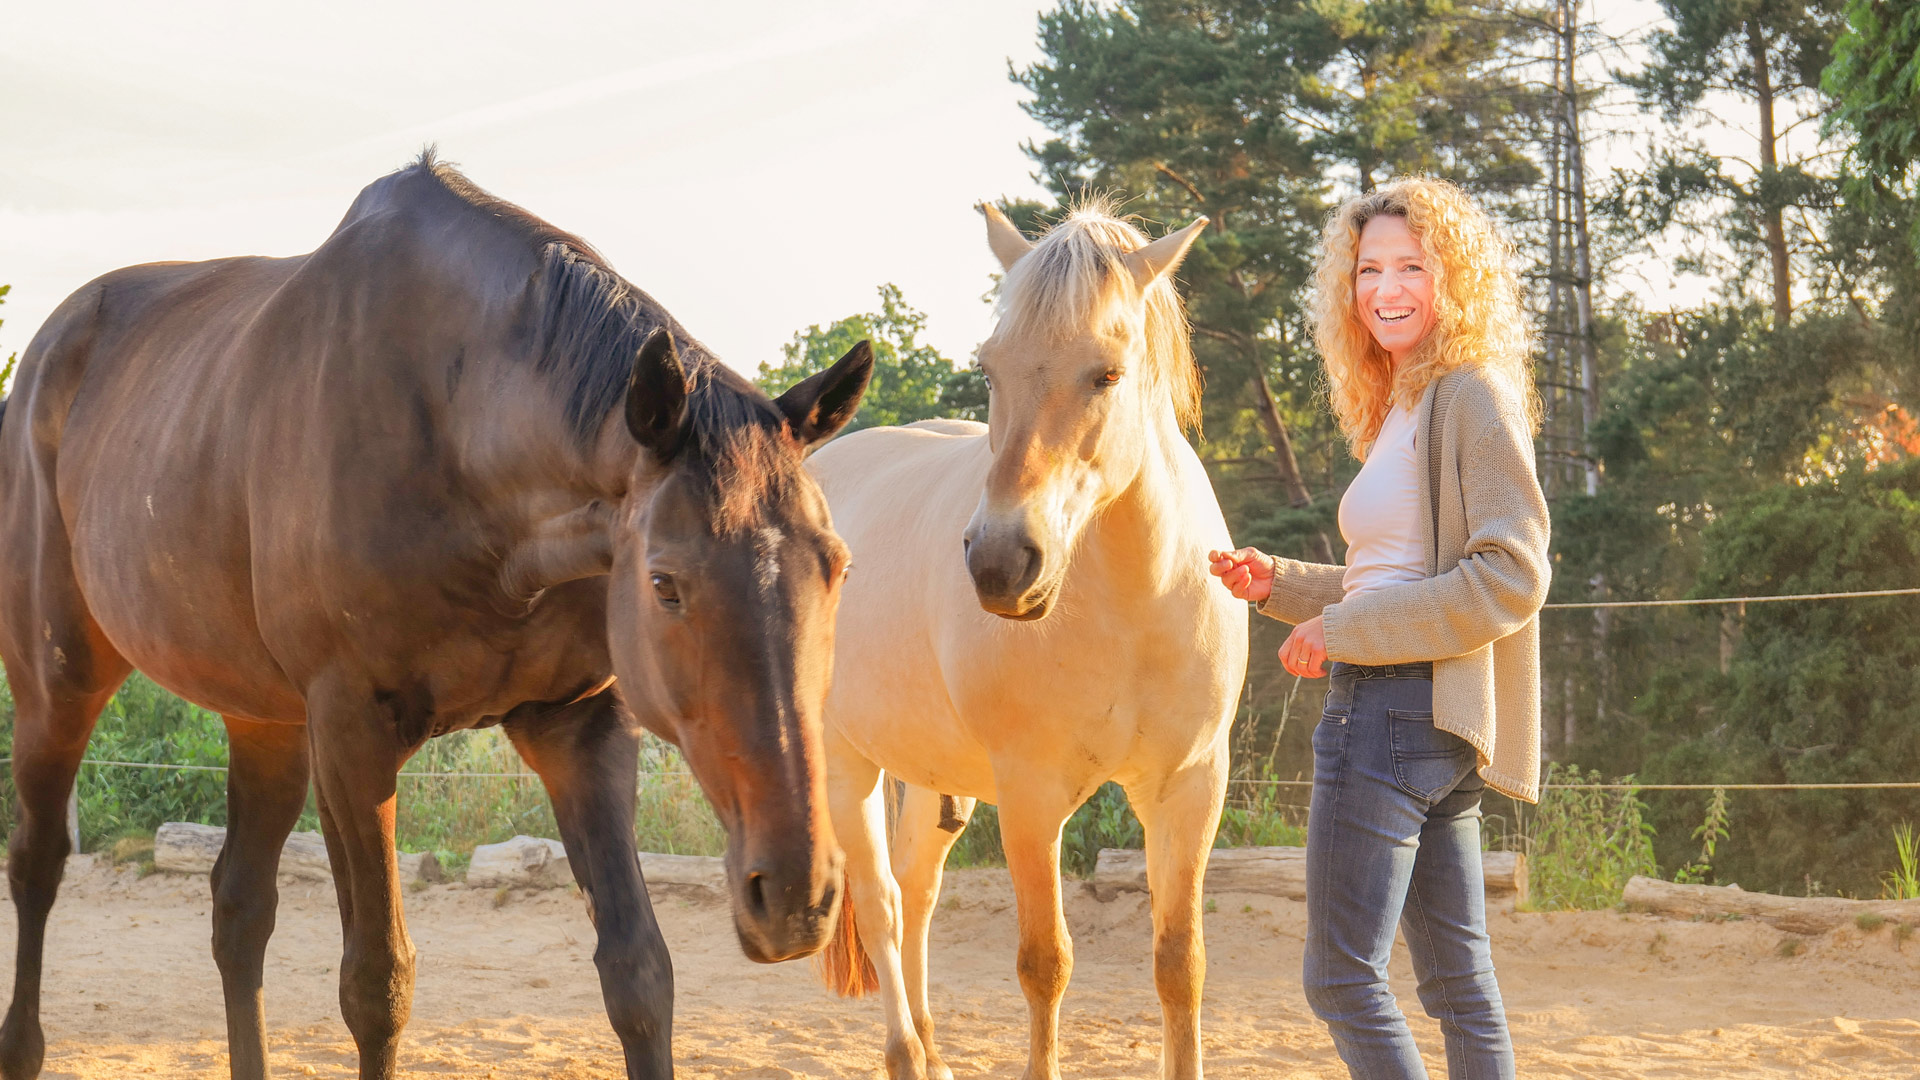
column 1431, row 627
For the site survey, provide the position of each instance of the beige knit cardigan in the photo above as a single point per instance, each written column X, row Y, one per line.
column 1478, row 621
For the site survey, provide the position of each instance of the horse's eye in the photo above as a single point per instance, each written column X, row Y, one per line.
column 666, row 590
column 1106, row 379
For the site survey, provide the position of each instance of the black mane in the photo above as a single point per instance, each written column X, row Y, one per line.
column 589, row 324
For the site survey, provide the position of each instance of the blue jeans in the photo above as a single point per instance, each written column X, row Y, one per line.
column 1393, row 836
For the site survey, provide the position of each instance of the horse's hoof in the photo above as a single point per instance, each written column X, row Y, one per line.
column 937, row 1070
column 22, row 1048
column 907, row 1060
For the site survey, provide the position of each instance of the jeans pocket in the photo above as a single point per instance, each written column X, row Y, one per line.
column 1330, row 734
column 1427, row 762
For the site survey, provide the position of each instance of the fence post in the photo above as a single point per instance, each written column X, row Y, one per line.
column 73, row 817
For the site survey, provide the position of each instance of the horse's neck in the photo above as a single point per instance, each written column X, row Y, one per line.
column 1150, row 536
column 514, row 444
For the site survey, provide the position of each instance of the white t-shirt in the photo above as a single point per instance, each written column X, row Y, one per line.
column 1380, row 513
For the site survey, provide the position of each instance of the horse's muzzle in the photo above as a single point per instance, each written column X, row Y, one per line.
column 1006, row 575
column 785, row 907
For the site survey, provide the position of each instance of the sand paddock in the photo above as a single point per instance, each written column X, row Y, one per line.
column 510, row 991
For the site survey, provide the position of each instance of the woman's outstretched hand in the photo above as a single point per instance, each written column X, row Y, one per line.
column 1247, row 573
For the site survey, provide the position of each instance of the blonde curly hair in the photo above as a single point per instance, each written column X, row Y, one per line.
column 1478, row 320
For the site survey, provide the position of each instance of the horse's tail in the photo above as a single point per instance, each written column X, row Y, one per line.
column 844, row 964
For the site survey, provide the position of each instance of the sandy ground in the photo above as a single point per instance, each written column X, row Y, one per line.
column 510, row 992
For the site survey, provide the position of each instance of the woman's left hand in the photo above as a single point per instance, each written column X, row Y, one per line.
column 1305, row 653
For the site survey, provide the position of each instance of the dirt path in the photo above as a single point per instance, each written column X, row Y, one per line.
column 510, row 992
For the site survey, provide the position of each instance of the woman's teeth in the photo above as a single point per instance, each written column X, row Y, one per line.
column 1393, row 315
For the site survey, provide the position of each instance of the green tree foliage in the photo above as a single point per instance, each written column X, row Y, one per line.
column 1875, row 81
column 1875, row 78
column 1769, row 54
column 1817, row 692
column 911, row 380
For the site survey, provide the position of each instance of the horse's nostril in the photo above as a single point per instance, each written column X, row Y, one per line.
column 1032, row 569
column 757, row 894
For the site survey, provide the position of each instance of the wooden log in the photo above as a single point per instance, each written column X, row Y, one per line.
column 182, row 847
column 1279, row 871
column 1796, row 914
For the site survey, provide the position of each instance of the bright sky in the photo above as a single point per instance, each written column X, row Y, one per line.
column 758, row 166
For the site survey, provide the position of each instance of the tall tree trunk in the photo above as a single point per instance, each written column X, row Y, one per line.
column 1774, row 213
column 1284, row 461
column 1363, row 129
column 1582, row 249
column 1583, row 312
column 1551, row 466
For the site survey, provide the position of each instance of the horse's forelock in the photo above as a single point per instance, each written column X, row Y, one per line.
column 1074, row 277
column 740, row 453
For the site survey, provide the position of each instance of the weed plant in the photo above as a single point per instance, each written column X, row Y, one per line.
column 1583, row 845
column 1903, row 883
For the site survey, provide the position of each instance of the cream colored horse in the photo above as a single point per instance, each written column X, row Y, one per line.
column 1030, row 615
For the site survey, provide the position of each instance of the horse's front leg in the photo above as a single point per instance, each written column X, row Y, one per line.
column 266, row 789
column 1032, row 810
column 356, row 755
column 1180, row 815
column 588, row 757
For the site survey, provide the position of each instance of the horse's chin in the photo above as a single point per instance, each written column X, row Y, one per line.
column 1032, row 607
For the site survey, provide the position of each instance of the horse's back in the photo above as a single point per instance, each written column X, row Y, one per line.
column 900, row 499
column 884, row 470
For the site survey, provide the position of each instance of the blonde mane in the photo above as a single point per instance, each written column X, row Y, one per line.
column 1073, row 279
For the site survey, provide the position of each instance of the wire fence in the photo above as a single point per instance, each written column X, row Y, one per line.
column 1587, row 605
column 1863, row 785
column 1717, row 601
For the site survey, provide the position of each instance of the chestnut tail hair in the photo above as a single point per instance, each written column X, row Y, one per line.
column 844, row 964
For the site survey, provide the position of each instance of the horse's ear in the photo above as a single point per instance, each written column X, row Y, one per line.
column 1005, row 240
column 657, row 396
column 1160, row 258
column 819, row 405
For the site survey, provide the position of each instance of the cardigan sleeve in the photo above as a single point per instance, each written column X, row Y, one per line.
column 1501, row 579
column 1301, row 590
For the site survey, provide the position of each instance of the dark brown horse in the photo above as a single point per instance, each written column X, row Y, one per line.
column 449, row 470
